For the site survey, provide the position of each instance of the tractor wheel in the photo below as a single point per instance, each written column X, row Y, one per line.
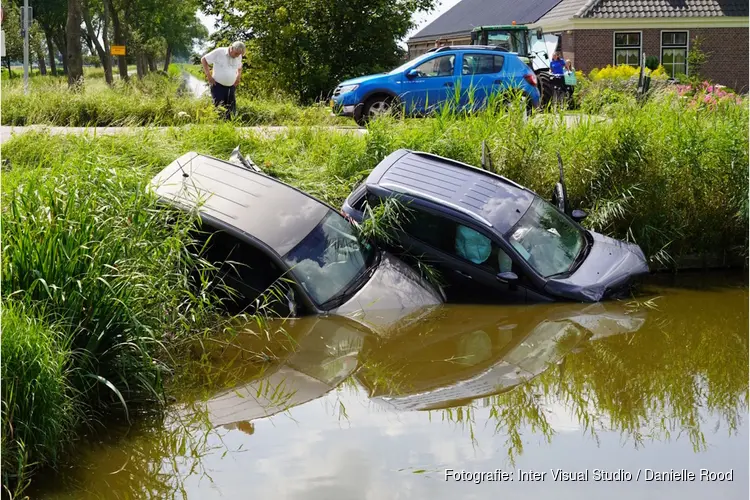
column 546, row 88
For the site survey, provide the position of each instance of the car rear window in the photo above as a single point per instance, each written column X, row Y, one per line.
column 478, row 64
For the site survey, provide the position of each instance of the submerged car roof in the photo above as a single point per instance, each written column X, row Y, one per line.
column 255, row 204
column 488, row 198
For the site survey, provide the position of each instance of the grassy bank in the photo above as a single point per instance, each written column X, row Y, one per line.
column 96, row 277
column 96, row 285
column 156, row 100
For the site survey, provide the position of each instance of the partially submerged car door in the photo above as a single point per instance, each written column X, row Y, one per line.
column 468, row 259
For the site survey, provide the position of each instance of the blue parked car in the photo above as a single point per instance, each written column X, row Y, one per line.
column 426, row 83
column 494, row 239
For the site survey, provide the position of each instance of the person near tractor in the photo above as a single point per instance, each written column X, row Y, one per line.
column 557, row 65
column 570, row 78
column 227, row 70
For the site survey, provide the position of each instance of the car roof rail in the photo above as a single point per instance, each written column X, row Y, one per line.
column 468, row 47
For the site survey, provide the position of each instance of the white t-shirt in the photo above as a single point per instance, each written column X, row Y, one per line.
column 224, row 67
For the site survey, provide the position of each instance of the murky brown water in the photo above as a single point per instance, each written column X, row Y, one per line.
column 613, row 392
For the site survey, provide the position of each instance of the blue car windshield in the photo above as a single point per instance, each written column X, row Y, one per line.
column 329, row 258
column 547, row 239
column 409, row 64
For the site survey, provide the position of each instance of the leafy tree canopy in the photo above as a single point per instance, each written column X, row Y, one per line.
column 308, row 46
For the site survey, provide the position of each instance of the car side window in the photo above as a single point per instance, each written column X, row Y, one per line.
column 439, row 66
column 478, row 64
column 456, row 239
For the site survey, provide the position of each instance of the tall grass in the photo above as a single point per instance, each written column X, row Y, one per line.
column 670, row 177
column 38, row 412
column 156, row 100
column 93, row 254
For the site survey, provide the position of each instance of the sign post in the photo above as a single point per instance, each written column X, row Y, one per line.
column 26, row 21
column 2, row 33
column 117, row 50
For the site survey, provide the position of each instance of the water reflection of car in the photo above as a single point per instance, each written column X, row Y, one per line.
column 461, row 353
column 263, row 232
column 325, row 354
column 491, row 236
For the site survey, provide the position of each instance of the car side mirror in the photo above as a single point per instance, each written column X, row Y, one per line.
column 412, row 73
column 578, row 215
column 507, row 277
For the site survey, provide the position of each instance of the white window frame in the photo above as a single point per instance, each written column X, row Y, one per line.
column 614, row 45
column 687, row 46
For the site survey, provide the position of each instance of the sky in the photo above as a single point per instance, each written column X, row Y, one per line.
column 421, row 19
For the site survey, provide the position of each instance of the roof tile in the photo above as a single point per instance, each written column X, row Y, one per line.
column 604, row 9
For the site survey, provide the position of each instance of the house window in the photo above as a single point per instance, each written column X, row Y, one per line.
column 628, row 48
column 674, row 49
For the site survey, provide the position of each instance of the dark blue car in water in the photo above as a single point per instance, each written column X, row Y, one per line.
column 489, row 235
column 468, row 74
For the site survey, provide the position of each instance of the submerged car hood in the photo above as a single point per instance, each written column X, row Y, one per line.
column 393, row 295
column 609, row 265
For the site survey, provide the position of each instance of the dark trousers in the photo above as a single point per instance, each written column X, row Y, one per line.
column 224, row 96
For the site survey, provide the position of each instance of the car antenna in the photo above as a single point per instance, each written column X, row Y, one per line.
column 184, row 174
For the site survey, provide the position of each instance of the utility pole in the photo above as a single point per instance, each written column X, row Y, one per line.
column 26, row 22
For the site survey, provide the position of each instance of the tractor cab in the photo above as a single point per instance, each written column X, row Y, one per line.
column 534, row 47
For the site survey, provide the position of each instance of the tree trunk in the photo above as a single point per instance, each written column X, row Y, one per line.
column 42, row 65
column 62, row 46
column 139, row 66
column 10, row 71
column 51, row 50
column 151, row 63
column 74, row 52
column 167, row 58
column 122, row 64
column 105, row 38
column 89, row 43
column 103, row 54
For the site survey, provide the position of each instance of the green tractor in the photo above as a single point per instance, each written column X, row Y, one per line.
column 534, row 48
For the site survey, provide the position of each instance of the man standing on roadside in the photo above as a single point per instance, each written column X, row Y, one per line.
column 227, row 70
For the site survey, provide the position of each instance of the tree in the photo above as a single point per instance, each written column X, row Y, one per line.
column 308, row 46
column 74, row 50
column 51, row 15
column 94, row 30
column 13, row 39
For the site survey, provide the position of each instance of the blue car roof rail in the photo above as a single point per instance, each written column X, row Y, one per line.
column 468, row 47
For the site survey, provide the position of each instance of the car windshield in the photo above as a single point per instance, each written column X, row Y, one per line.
column 547, row 239
column 409, row 64
column 328, row 259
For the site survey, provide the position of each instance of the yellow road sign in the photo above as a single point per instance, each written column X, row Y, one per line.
column 117, row 50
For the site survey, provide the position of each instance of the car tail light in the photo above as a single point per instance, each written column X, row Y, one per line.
column 531, row 78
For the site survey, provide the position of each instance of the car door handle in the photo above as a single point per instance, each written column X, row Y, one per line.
column 467, row 276
column 449, row 84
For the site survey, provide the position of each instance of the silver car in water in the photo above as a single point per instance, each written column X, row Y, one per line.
column 265, row 233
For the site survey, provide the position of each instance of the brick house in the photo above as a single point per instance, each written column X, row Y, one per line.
column 454, row 26
column 595, row 33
